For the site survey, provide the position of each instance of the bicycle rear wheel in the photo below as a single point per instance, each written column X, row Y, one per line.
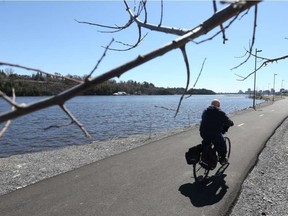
column 228, row 144
column 200, row 173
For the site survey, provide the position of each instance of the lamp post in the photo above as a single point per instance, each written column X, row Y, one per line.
column 274, row 87
column 254, row 98
column 282, row 88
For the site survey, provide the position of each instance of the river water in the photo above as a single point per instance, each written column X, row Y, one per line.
column 106, row 117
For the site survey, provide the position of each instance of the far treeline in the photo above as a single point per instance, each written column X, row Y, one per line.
column 45, row 85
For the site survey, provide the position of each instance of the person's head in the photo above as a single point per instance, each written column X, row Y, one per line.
column 215, row 103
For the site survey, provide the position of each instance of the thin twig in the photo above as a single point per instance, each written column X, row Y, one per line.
column 117, row 28
column 143, row 7
column 184, row 53
column 11, row 102
column 162, row 107
column 217, row 33
column 161, row 17
column 242, row 77
column 253, row 39
column 139, row 40
column 221, row 26
column 6, row 126
column 58, row 126
column 74, row 120
column 4, row 129
column 203, row 63
column 104, row 54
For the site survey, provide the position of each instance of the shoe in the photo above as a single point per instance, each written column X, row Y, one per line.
column 223, row 160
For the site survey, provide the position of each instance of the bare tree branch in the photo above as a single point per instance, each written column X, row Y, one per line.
column 159, row 27
column 152, row 27
column 211, row 23
column 253, row 39
column 265, row 63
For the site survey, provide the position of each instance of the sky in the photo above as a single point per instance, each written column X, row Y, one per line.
column 45, row 35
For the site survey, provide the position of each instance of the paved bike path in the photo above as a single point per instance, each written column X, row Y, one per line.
column 153, row 179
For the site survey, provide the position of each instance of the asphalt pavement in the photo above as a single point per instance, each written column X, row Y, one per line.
column 153, row 179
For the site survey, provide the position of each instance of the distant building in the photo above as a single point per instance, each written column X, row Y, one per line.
column 249, row 91
column 120, row 93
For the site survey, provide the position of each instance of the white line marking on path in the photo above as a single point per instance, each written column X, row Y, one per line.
column 240, row 125
column 261, row 115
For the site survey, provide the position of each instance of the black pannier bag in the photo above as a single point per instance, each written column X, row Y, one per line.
column 193, row 154
column 209, row 159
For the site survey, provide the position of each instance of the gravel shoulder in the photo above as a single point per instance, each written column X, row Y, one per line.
column 265, row 190
column 19, row 171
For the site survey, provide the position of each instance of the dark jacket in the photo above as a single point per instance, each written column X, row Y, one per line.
column 214, row 121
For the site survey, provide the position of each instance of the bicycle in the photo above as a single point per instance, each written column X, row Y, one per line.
column 201, row 173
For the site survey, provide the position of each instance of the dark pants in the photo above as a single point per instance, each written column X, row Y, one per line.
column 218, row 141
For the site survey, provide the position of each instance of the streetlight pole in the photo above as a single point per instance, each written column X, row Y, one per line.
column 274, row 87
column 254, row 98
column 282, row 88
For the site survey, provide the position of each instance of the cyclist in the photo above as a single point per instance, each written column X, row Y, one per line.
column 214, row 124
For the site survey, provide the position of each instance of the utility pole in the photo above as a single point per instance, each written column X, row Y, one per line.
column 282, row 88
column 274, row 87
column 254, row 98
